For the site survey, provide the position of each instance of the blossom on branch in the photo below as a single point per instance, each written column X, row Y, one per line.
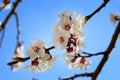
column 40, row 56
column 68, row 35
column 77, row 62
column 37, row 49
column 65, row 15
column 66, row 27
column 41, row 64
column 18, row 53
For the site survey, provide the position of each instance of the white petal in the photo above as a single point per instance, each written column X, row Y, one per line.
column 57, row 39
column 80, row 65
column 63, row 15
column 17, row 66
column 40, row 70
column 77, row 61
column 28, row 67
column 31, row 53
column 85, row 67
column 71, row 66
column 45, row 57
column 41, row 52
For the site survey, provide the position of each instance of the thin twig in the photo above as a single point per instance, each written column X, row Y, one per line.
column 18, row 26
column 52, row 47
column 97, row 10
column 18, row 59
column 15, row 5
column 91, row 55
column 78, row 75
column 4, row 23
column 2, row 36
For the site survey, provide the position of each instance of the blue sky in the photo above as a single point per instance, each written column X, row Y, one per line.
column 37, row 18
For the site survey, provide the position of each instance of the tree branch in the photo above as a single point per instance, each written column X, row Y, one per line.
column 4, row 23
column 107, row 52
column 97, row 10
column 15, row 5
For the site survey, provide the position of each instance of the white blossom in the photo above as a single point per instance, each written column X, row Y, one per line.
column 67, row 26
column 60, row 39
column 17, row 66
column 66, row 20
column 77, row 62
column 47, row 64
column 37, row 49
column 42, row 60
column 42, row 64
column 19, row 50
column 80, row 21
column 31, row 53
column 78, row 25
column 74, row 44
column 65, row 15
column 67, row 35
column 32, row 68
column 82, row 63
column 18, row 53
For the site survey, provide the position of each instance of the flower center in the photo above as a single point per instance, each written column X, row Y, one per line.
column 61, row 39
column 36, row 49
column 35, row 63
column 67, row 27
column 83, row 60
column 73, row 60
column 69, row 49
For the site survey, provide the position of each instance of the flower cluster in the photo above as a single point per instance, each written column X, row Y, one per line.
column 68, row 35
column 68, row 32
column 41, row 59
column 18, row 53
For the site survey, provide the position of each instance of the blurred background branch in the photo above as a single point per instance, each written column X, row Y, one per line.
column 4, row 23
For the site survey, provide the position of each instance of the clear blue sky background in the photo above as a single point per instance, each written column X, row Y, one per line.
column 37, row 18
